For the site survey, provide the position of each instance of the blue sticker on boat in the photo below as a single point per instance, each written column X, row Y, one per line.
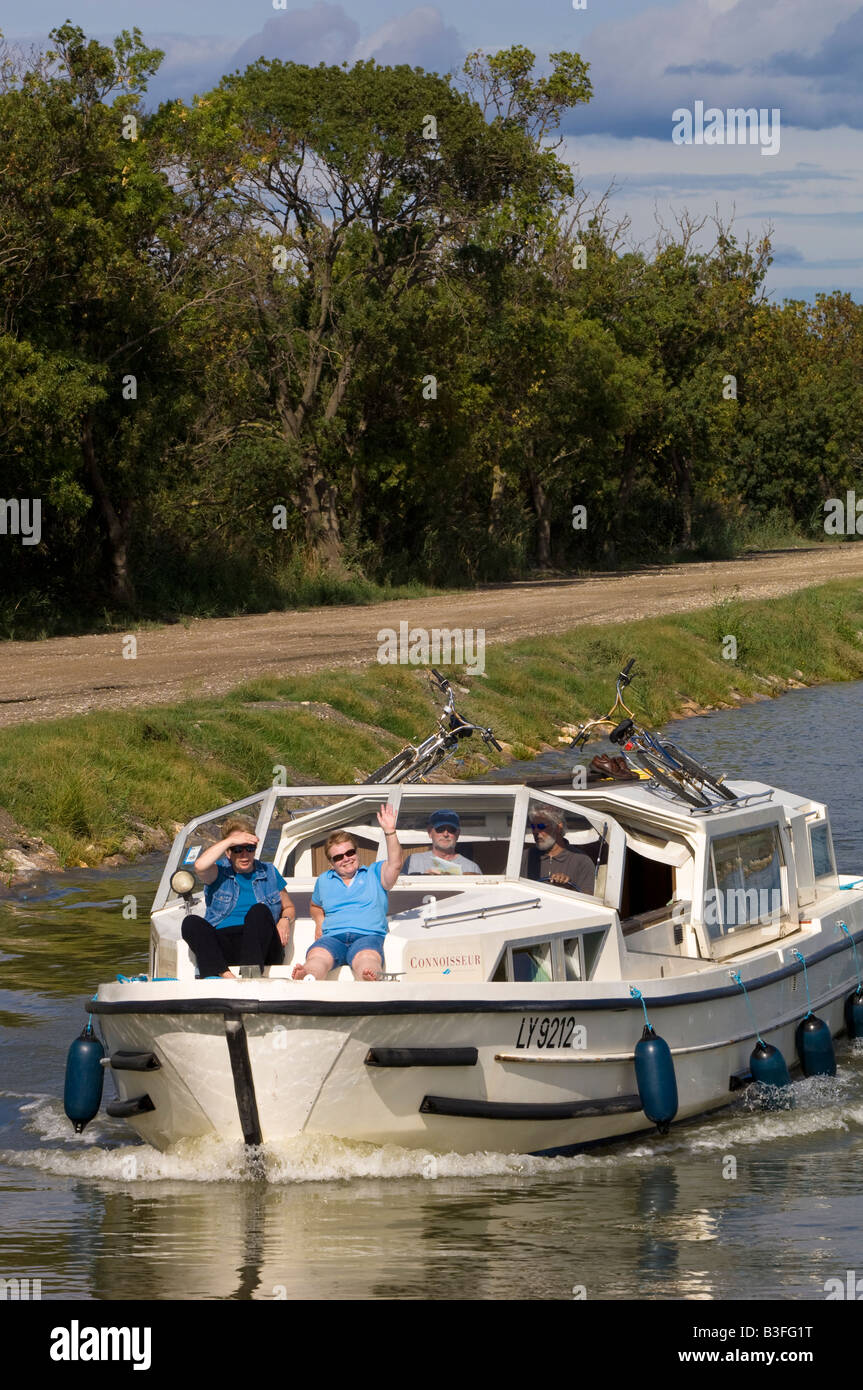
column 192, row 853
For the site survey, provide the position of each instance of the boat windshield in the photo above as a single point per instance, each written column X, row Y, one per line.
column 480, row 845
column 746, row 884
column 302, row 825
column 562, row 847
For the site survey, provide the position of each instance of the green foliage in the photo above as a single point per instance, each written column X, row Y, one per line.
column 364, row 351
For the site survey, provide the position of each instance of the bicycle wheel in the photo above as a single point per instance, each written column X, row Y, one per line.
column 389, row 772
column 428, row 764
column 699, row 773
column 669, row 780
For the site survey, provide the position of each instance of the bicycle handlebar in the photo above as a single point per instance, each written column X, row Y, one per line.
column 623, row 680
column 463, row 729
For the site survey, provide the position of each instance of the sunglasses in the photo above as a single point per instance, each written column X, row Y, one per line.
column 243, row 849
column 346, row 854
column 444, row 829
column 539, row 825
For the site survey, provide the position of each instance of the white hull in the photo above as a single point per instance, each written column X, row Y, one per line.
column 309, row 1071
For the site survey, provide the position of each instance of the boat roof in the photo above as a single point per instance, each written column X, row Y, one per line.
column 671, row 812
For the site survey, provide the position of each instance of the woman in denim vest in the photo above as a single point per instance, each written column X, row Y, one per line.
column 249, row 916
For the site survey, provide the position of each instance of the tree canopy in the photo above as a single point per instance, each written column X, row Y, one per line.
column 358, row 321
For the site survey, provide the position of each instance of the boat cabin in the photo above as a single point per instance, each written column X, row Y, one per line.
column 674, row 889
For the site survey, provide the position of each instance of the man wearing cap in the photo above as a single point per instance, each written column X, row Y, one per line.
column 443, row 829
column 551, row 859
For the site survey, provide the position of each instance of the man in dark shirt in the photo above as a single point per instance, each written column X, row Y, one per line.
column 550, row 859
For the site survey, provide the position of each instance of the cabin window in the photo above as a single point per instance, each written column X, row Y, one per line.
column 746, row 881
column 572, row 966
column 532, row 963
column 484, row 835
column 301, row 852
column 543, row 962
column 580, row 850
column 580, row 954
column 822, row 849
column 592, row 943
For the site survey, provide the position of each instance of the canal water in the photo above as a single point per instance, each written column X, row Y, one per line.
column 745, row 1205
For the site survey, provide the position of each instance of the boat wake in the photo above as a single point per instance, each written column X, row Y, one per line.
column 103, row 1153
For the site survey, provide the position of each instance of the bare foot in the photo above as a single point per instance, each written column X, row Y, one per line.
column 299, row 972
column 228, row 975
column 371, row 975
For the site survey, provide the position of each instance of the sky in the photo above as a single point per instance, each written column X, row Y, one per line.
column 647, row 60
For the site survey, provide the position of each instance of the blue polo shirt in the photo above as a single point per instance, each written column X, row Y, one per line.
column 360, row 907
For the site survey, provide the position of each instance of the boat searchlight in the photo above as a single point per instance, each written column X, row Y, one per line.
column 183, row 883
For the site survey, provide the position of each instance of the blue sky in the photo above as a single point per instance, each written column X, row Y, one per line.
column 647, row 59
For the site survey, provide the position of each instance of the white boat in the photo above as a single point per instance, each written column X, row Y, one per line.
column 509, row 1014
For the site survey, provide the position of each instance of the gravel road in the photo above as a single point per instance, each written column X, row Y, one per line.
column 71, row 675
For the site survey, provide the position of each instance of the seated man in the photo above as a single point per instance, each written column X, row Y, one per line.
column 550, row 859
column 443, row 830
column 248, row 915
column 349, row 906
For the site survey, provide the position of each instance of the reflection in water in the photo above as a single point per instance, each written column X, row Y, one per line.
column 183, row 1242
column 655, row 1220
column 656, row 1198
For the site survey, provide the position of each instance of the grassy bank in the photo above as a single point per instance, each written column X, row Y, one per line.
column 97, row 784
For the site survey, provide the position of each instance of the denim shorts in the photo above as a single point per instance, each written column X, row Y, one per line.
column 343, row 948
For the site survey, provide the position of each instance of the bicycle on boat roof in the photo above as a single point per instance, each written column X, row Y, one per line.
column 416, row 761
column 667, row 764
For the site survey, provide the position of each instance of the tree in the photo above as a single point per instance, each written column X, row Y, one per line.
column 95, row 280
column 349, row 189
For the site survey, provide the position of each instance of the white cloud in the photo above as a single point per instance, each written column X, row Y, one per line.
column 419, row 38
column 811, row 194
column 325, row 33
column 803, row 58
column 192, row 64
column 322, row 34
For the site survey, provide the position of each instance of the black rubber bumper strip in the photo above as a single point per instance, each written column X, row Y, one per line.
column 122, row 1109
column 421, row 1057
column 505, row 1110
column 244, row 1082
column 135, row 1061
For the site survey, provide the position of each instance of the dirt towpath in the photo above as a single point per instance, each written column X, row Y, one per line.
column 71, row 675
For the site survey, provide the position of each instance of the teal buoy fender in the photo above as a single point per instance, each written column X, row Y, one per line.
column 655, row 1078
column 768, row 1066
column 854, row 1014
column 815, row 1047
column 82, row 1094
